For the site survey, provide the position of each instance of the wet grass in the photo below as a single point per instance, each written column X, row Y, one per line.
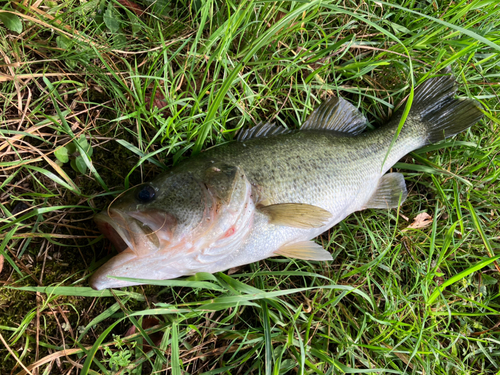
column 147, row 89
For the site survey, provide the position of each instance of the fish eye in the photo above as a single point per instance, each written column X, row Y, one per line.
column 145, row 193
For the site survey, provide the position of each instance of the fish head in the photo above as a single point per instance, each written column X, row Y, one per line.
column 178, row 224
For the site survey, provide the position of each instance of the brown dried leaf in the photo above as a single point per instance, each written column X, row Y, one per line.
column 421, row 221
column 147, row 322
column 1, row 263
column 158, row 101
column 234, row 270
column 130, row 5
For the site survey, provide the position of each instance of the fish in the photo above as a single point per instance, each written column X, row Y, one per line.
column 272, row 190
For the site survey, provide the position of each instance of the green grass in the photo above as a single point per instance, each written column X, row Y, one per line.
column 148, row 91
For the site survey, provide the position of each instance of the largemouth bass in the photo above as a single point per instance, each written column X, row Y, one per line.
column 273, row 190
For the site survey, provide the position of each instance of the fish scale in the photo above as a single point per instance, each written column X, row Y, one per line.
column 318, row 169
column 273, row 190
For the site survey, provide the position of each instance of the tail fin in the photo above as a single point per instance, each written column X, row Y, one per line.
column 444, row 115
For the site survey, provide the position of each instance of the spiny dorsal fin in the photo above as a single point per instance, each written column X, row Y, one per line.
column 306, row 250
column 298, row 215
column 261, row 130
column 391, row 190
column 336, row 114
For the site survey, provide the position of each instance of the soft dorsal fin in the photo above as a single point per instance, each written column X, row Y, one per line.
column 336, row 114
column 391, row 190
column 306, row 250
column 261, row 130
column 297, row 215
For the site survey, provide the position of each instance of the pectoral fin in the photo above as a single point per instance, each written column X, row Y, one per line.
column 391, row 191
column 306, row 250
column 298, row 215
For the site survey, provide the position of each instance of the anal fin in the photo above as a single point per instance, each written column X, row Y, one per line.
column 298, row 215
column 306, row 250
column 390, row 193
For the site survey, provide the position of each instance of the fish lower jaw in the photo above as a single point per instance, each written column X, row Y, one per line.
column 142, row 268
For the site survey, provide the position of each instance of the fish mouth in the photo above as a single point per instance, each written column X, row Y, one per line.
column 135, row 235
column 141, row 231
column 111, row 231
